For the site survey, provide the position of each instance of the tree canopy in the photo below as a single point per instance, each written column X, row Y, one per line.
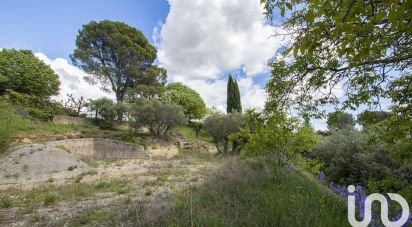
column 193, row 105
column 116, row 55
column 361, row 48
column 340, row 120
column 157, row 116
column 233, row 103
column 22, row 72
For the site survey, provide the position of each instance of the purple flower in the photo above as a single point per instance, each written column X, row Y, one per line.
column 322, row 177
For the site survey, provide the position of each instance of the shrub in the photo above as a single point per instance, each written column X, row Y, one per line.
column 50, row 199
column 349, row 159
column 44, row 115
column 283, row 136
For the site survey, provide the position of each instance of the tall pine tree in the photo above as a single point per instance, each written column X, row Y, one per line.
column 233, row 96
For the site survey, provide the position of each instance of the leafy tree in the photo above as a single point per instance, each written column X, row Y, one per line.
column 116, row 55
column 340, row 120
column 233, row 96
column 283, row 136
column 155, row 115
column 251, row 122
column 193, row 105
column 220, row 127
column 368, row 118
column 22, row 72
column 348, row 43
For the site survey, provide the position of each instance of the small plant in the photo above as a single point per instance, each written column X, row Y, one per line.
column 148, row 192
column 71, row 168
column 50, row 180
column 78, row 179
column 5, row 203
column 25, row 168
column 50, row 199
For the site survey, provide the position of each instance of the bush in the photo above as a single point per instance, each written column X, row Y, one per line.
column 158, row 117
column 349, row 159
column 37, row 107
column 44, row 115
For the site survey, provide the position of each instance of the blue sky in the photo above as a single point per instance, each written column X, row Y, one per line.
column 51, row 26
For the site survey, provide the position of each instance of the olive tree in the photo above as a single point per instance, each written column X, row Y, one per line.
column 220, row 127
column 158, row 117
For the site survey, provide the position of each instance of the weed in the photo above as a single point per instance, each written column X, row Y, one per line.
column 50, row 199
column 71, row 168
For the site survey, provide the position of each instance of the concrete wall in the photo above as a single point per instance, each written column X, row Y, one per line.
column 102, row 149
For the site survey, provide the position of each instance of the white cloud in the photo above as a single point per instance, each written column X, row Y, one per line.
column 71, row 79
column 202, row 40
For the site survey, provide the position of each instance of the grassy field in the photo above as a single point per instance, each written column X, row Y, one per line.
column 242, row 193
column 190, row 134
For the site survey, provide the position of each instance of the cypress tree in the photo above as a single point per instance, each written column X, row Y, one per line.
column 233, row 96
column 238, row 106
column 230, row 95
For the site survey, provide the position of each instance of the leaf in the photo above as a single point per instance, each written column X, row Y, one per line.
column 310, row 16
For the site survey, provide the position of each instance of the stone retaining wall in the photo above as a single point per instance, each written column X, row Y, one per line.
column 101, row 149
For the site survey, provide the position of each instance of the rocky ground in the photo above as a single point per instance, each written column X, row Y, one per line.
column 52, row 187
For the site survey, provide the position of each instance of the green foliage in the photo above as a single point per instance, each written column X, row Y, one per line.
column 368, row 118
column 106, row 108
column 7, row 129
column 233, row 96
column 193, row 105
column 153, row 87
column 340, row 120
column 395, row 132
column 190, row 134
column 38, row 107
column 220, row 126
column 341, row 44
column 22, row 72
column 349, row 159
column 283, row 136
column 44, row 115
column 257, row 193
column 155, row 115
column 115, row 54
column 252, row 120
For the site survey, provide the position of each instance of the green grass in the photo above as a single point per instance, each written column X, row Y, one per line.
column 190, row 134
column 51, row 194
column 253, row 192
column 258, row 193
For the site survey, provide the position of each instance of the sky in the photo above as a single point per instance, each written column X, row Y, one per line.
column 199, row 42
